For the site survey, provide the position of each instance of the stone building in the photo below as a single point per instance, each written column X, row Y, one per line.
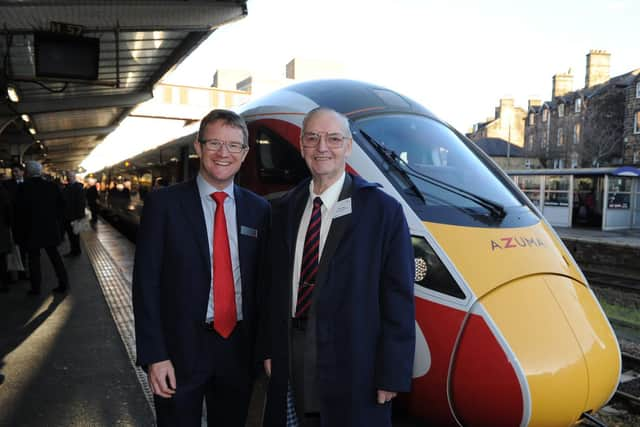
column 507, row 124
column 590, row 127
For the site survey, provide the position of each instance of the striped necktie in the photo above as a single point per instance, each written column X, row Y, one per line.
column 310, row 257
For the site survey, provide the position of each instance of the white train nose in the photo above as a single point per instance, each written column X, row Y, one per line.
column 555, row 341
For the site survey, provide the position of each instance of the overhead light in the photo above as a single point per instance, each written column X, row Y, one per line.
column 25, row 118
column 13, row 94
column 32, row 131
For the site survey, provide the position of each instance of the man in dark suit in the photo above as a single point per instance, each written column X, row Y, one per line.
column 12, row 185
column 196, row 283
column 74, row 204
column 39, row 216
column 341, row 294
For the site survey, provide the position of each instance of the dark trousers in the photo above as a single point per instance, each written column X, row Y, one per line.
column 74, row 239
column 56, row 261
column 222, row 378
column 4, row 273
column 93, row 207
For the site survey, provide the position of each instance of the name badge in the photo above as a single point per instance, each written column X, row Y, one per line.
column 343, row 207
column 248, row 231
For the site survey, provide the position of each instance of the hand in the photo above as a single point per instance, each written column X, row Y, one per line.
column 267, row 367
column 162, row 378
column 385, row 396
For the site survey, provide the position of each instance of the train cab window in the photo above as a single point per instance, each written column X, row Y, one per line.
column 439, row 173
column 278, row 161
column 430, row 272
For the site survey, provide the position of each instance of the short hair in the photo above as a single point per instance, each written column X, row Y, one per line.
column 33, row 168
column 317, row 110
column 229, row 118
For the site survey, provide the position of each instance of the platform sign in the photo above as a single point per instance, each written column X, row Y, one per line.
column 64, row 28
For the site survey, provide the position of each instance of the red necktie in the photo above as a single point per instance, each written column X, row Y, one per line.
column 224, row 295
column 309, row 267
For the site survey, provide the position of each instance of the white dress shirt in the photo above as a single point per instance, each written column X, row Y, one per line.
column 329, row 198
column 209, row 209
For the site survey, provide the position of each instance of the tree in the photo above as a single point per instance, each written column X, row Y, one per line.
column 603, row 127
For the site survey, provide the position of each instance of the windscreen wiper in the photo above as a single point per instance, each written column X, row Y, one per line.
column 496, row 209
column 391, row 155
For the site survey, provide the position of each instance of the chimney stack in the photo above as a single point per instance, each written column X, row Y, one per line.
column 597, row 68
column 562, row 84
column 534, row 103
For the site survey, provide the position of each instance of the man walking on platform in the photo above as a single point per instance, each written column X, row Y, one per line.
column 342, row 332
column 39, row 216
column 74, row 204
column 199, row 254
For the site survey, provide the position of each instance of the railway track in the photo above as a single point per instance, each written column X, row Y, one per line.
column 628, row 392
column 600, row 278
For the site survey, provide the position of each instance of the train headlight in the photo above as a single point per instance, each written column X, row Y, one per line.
column 430, row 271
column 421, row 269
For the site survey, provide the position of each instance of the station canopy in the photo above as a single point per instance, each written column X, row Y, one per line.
column 73, row 70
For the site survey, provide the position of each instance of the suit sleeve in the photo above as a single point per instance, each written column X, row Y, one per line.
column 264, row 291
column 146, row 286
column 397, row 307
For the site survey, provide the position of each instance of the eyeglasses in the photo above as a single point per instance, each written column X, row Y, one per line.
column 216, row 144
column 312, row 139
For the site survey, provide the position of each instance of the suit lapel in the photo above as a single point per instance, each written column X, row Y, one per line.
column 336, row 231
column 299, row 201
column 193, row 210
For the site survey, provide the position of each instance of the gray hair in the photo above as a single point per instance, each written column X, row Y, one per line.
column 341, row 117
column 33, row 168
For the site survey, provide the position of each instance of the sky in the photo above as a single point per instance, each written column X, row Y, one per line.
column 457, row 58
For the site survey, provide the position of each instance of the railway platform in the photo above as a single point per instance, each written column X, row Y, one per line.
column 68, row 359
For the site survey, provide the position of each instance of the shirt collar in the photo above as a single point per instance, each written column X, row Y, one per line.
column 330, row 195
column 205, row 189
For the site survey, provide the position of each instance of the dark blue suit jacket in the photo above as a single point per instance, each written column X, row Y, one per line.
column 172, row 274
column 364, row 305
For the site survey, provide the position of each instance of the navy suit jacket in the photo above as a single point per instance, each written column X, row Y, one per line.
column 364, row 306
column 172, row 274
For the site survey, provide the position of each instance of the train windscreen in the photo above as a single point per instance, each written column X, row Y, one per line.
column 439, row 175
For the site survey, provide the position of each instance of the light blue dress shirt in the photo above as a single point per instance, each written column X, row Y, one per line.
column 209, row 209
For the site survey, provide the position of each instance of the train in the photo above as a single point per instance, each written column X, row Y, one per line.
column 508, row 331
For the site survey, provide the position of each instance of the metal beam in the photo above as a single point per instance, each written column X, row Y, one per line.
column 178, row 15
column 81, row 103
column 73, row 133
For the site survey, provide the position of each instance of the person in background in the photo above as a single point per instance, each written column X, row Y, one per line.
column 342, row 324
column 74, row 205
column 6, row 220
column 12, row 185
column 199, row 257
column 92, row 201
column 39, row 218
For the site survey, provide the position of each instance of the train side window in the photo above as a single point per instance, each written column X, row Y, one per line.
column 430, row 272
column 278, row 161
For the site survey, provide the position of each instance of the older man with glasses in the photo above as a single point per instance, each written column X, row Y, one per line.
column 340, row 341
column 199, row 255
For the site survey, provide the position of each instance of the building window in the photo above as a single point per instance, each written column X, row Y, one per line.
column 636, row 156
column 638, row 90
column 530, row 142
column 561, row 110
column 560, row 140
column 578, row 106
column 545, row 115
column 636, row 122
column 544, row 140
column 527, row 163
column 576, row 133
column 532, row 119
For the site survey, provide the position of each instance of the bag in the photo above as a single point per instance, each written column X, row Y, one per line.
column 14, row 260
column 80, row 225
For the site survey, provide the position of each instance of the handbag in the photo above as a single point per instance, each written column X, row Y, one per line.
column 14, row 260
column 80, row 225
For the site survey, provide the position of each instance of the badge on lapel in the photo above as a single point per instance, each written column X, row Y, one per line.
column 248, row 231
column 343, row 207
